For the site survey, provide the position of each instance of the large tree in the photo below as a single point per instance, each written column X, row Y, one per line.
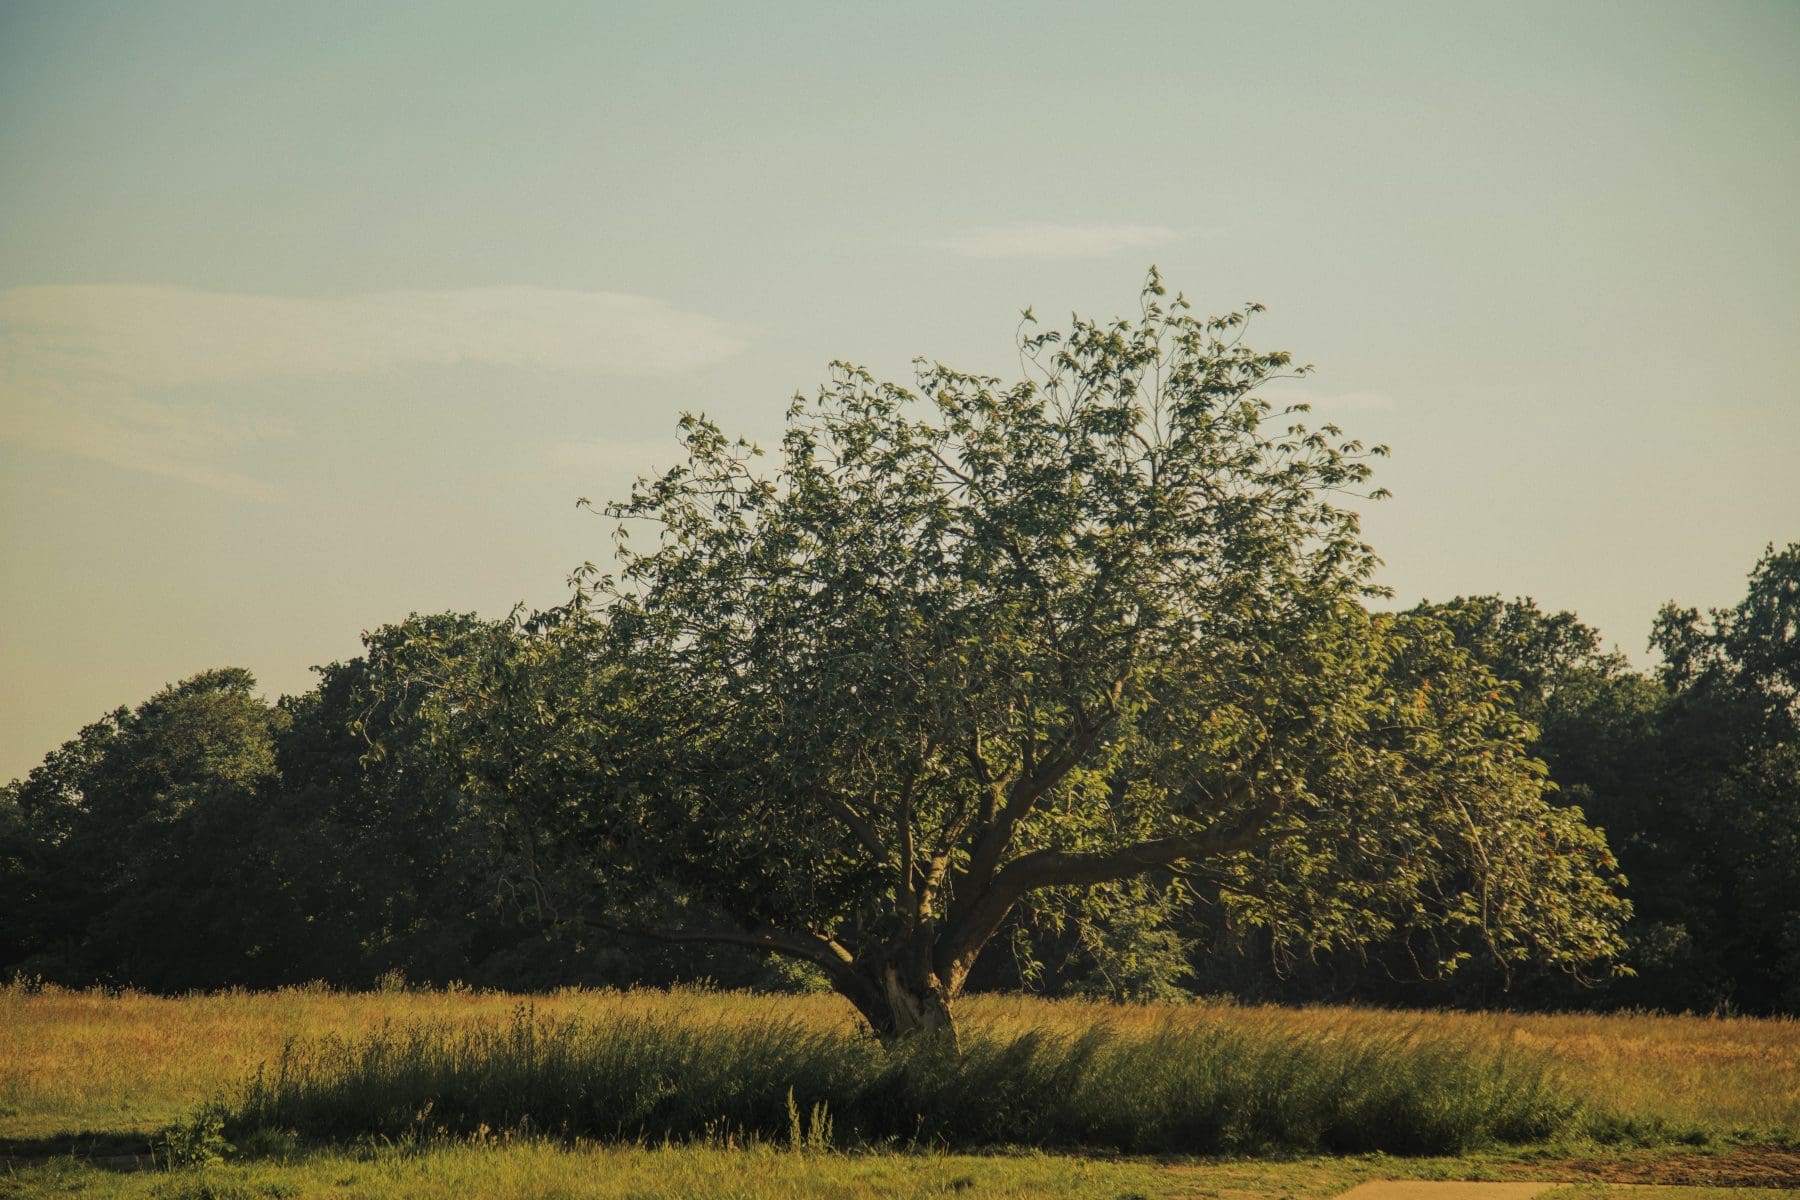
column 972, row 643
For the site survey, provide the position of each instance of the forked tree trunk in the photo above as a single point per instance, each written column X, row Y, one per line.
column 905, row 995
column 917, row 1007
column 905, row 1007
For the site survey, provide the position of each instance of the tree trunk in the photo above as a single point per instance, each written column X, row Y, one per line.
column 907, row 1007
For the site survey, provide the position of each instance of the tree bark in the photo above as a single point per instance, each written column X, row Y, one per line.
column 906, row 1007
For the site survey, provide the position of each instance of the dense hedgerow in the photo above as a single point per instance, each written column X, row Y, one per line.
column 1178, row 1089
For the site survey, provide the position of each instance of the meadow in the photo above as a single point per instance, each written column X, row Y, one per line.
column 418, row 1092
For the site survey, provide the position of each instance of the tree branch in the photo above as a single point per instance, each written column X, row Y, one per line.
column 856, row 823
column 820, row 951
column 965, row 935
column 1027, row 788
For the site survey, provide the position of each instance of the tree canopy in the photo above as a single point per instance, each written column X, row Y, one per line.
column 137, row 831
column 971, row 644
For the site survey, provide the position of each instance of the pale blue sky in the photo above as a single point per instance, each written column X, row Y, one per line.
column 312, row 315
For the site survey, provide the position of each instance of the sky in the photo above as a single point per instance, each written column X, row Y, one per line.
column 316, row 315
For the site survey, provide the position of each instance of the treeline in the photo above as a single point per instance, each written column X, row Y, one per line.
column 1691, row 769
column 207, row 838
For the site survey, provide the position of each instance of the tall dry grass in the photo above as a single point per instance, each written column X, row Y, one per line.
column 1192, row 1088
column 89, row 1060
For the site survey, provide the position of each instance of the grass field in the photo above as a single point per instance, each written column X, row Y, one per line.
column 542, row 1172
column 86, row 1074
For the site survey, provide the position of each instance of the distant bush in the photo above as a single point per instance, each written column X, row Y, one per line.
column 1176, row 1089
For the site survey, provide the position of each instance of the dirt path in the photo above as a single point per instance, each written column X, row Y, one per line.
column 1435, row 1189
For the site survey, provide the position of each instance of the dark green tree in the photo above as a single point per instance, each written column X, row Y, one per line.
column 145, row 852
column 393, row 857
column 1721, row 817
column 399, row 757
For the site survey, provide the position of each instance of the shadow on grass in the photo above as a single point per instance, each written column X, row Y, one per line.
column 112, row 1150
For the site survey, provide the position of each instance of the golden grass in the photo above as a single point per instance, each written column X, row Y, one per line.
column 88, row 1060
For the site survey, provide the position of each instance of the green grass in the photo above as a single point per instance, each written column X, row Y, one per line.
column 535, row 1170
column 538, row 1170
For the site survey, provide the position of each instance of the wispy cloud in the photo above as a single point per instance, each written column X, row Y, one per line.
column 1042, row 239
column 98, row 370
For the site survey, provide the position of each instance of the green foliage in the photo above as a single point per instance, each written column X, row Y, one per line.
column 207, row 839
column 1430, row 849
column 815, row 1134
column 140, row 838
column 197, row 1140
column 1540, row 654
column 972, row 645
column 1721, row 813
column 1191, row 1090
column 1114, row 941
column 1694, row 773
